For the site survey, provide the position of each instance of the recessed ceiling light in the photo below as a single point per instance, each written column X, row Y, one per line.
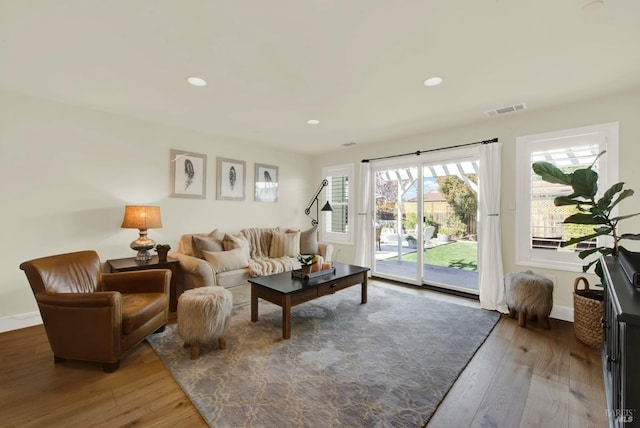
column 196, row 81
column 433, row 81
column 313, row 121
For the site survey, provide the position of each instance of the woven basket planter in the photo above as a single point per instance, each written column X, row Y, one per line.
column 588, row 310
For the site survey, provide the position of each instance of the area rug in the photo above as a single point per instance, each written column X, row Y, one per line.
column 386, row 363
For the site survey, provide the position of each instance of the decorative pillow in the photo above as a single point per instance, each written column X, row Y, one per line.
column 232, row 242
column 309, row 241
column 285, row 245
column 210, row 242
column 222, row 261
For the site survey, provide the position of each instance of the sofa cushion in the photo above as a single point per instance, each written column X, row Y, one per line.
column 210, row 242
column 232, row 242
column 309, row 241
column 223, row 261
column 285, row 244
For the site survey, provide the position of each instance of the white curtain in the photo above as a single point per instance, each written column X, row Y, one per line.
column 492, row 294
column 363, row 233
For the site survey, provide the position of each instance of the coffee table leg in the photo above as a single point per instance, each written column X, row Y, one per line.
column 363, row 298
column 286, row 317
column 254, row 304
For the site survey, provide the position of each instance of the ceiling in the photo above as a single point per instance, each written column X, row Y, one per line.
column 357, row 66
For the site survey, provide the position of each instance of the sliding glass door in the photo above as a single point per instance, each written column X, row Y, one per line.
column 425, row 220
column 396, row 222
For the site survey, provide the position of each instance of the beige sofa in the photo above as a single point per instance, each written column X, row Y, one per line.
column 226, row 260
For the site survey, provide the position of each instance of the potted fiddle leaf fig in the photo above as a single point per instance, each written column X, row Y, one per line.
column 590, row 211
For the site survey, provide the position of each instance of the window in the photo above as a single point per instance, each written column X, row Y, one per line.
column 338, row 224
column 539, row 223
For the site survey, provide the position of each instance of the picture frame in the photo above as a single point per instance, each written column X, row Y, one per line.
column 266, row 183
column 231, row 179
column 188, row 174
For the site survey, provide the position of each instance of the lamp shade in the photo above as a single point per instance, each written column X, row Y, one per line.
column 141, row 217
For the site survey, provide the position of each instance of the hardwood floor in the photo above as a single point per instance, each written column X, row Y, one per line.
column 520, row 377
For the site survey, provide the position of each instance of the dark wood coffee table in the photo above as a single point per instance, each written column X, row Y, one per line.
column 286, row 291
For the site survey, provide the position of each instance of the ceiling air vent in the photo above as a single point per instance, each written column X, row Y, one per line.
column 504, row 110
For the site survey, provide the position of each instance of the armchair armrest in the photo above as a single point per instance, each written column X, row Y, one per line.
column 140, row 281
column 196, row 272
column 98, row 299
column 84, row 326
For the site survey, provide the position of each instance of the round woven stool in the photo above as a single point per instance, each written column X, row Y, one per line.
column 203, row 316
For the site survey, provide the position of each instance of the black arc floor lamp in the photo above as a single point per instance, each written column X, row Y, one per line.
column 314, row 200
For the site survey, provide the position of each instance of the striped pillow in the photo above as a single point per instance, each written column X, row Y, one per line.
column 285, row 244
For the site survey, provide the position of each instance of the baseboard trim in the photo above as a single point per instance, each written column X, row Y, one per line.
column 563, row 313
column 16, row 322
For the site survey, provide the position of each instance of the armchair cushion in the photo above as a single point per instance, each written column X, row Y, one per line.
column 139, row 308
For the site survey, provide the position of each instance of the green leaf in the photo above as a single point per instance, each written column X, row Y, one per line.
column 565, row 200
column 586, row 253
column 550, row 173
column 625, row 194
column 587, row 266
column 584, row 218
column 585, row 182
column 631, row 236
column 603, row 203
column 585, row 237
column 622, row 217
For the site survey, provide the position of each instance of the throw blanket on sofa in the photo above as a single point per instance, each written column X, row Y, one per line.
column 259, row 241
column 266, row 266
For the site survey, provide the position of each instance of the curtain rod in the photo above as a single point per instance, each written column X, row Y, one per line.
column 419, row 152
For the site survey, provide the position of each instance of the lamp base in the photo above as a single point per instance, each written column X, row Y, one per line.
column 142, row 245
column 143, row 256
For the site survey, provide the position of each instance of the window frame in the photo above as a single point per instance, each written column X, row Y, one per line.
column 606, row 136
column 325, row 234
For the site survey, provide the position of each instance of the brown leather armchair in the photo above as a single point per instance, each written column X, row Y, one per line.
column 93, row 316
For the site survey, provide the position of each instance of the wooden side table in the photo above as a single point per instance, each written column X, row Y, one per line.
column 130, row 264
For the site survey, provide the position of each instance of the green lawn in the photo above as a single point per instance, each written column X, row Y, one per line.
column 460, row 255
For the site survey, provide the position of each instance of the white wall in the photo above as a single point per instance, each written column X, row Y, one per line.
column 622, row 108
column 66, row 174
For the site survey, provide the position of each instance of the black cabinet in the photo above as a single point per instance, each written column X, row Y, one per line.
column 621, row 347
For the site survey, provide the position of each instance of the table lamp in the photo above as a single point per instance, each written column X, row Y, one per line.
column 142, row 218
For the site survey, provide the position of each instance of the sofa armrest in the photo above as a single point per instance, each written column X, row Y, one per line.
column 326, row 250
column 196, row 272
column 142, row 281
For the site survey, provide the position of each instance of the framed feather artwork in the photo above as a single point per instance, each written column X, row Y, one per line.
column 266, row 183
column 188, row 174
column 231, row 181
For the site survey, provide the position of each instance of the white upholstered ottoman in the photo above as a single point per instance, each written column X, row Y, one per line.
column 203, row 316
column 529, row 296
